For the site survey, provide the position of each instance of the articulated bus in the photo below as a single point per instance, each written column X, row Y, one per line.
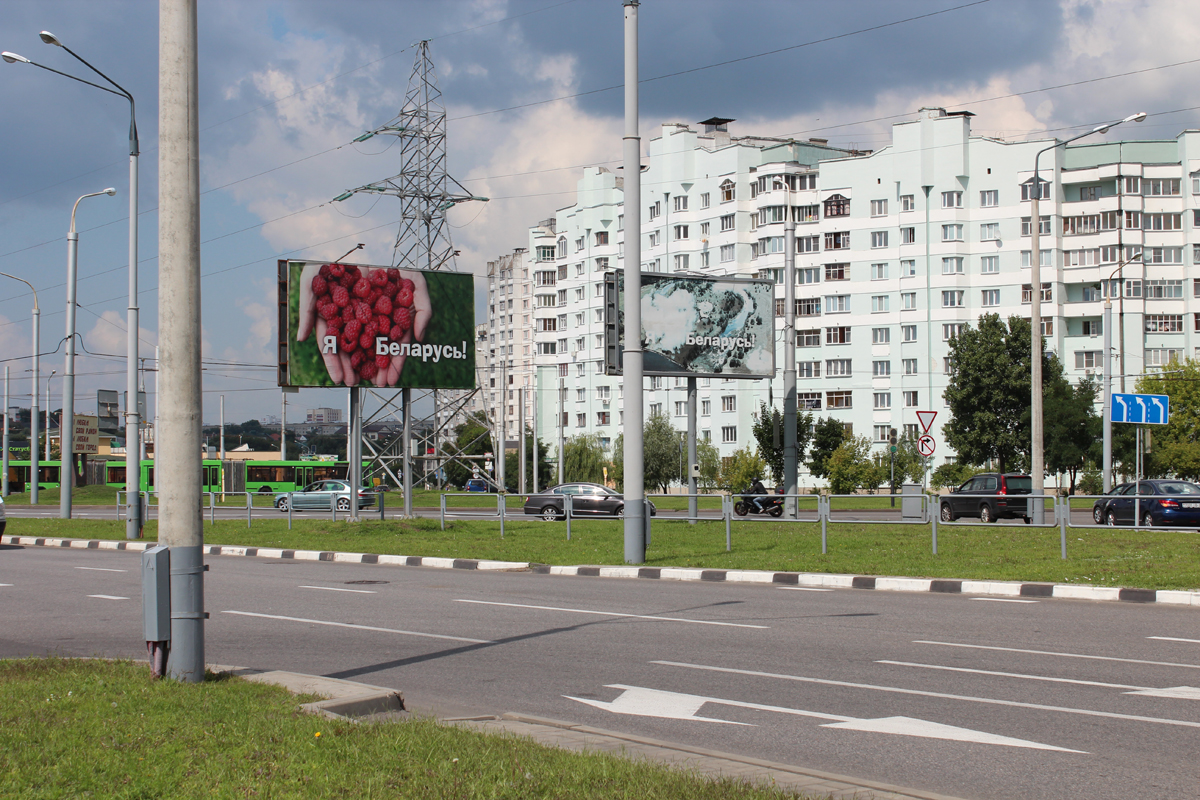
column 114, row 475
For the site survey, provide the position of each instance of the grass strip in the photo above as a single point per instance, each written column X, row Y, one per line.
column 92, row 728
column 1147, row 559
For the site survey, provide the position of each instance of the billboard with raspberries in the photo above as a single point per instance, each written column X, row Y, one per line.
column 359, row 325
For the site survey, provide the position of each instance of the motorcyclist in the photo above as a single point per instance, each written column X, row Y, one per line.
column 758, row 490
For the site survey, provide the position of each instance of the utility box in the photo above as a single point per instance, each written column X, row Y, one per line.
column 695, row 470
column 156, row 594
column 911, row 502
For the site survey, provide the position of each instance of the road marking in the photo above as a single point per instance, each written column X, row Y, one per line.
column 1174, row 639
column 360, row 627
column 107, row 597
column 616, row 614
column 941, row 695
column 1003, row 600
column 639, row 701
column 100, row 569
column 1177, row 692
column 1063, row 655
column 804, row 589
column 334, row 589
column 5, row 584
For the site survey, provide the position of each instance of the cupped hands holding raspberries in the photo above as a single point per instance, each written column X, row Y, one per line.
column 350, row 307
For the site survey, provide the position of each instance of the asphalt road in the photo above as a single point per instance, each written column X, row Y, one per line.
column 973, row 697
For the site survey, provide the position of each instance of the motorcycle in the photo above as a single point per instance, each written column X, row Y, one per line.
column 771, row 504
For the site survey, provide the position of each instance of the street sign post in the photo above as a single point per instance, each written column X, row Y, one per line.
column 1142, row 409
column 926, row 445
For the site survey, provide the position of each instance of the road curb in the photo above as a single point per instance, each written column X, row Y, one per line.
column 810, row 580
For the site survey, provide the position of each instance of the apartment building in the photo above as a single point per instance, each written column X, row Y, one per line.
column 896, row 250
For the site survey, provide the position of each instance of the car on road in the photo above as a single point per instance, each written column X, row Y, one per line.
column 989, row 496
column 1154, row 503
column 323, row 496
column 476, row 485
column 1101, row 504
column 587, row 499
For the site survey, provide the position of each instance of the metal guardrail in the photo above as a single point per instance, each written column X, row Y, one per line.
column 499, row 513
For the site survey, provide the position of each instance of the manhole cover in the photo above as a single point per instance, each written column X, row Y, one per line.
column 363, row 583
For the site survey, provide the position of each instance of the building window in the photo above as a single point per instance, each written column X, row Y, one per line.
column 1162, row 357
column 1163, row 255
column 908, row 332
column 883, row 401
column 808, row 369
column 1027, row 293
column 879, row 208
column 681, row 202
column 808, row 338
column 838, row 400
column 727, row 222
column 681, row 408
column 1089, row 359
column 989, row 265
column 809, row 401
column 655, row 409
column 1043, row 226
column 837, row 367
column 581, row 420
column 1046, row 259
column 879, row 238
column 952, row 329
column 655, row 209
column 804, row 214
column 705, row 200
column 1081, row 258
column 601, row 238
column 837, row 240
column 910, row 399
column 839, row 335
column 837, row 272
column 837, row 206
column 908, row 235
column 603, row 417
column 879, row 303
column 908, row 300
column 989, row 198
column 1027, row 189
column 1163, row 289
column 1164, row 323
column 879, row 272
column 728, row 191
column 952, row 199
column 989, row 231
column 881, row 335
column 706, row 408
column 837, row 303
column 728, row 434
column 681, row 231
column 808, row 307
column 704, row 228
column 952, row 265
column 908, row 268
column 1160, row 187
column 907, row 202
column 990, row 297
column 881, row 369
column 952, row 233
column 727, row 251
column 910, row 366
column 729, row 402
column 952, row 298
column 704, row 259
column 681, row 262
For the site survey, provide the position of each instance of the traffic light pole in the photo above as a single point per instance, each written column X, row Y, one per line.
column 892, row 455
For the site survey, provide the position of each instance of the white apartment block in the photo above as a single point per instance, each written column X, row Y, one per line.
column 505, row 368
column 322, row 415
column 896, row 250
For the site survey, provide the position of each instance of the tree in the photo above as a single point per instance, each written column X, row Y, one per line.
column 827, row 437
column 850, row 467
column 1175, row 449
column 739, row 470
column 661, row 448
column 512, row 465
column 768, row 432
column 948, row 475
column 709, row 458
column 471, row 438
column 988, row 392
column 584, row 459
column 1073, row 426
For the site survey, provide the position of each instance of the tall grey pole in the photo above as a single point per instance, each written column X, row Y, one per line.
column 521, row 448
column 502, row 444
column 693, row 501
column 1106, row 389
column 178, row 480
column 790, row 450
column 4, row 465
column 35, row 412
column 562, row 436
column 406, row 449
column 283, row 430
column 634, row 489
column 354, row 452
column 133, row 466
column 1037, row 461
column 52, row 373
column 536, row 449
column 222, row 427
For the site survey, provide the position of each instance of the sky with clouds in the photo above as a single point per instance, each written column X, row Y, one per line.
column 532, row 90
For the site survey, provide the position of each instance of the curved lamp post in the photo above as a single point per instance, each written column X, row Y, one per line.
column 35, row 412
column 133, row 523
column 1106, row 386
column 1037, row 467
column 49, row 378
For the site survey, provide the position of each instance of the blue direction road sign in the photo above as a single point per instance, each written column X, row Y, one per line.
column 1144, row 409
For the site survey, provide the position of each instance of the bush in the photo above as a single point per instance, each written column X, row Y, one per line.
column 1090, row 481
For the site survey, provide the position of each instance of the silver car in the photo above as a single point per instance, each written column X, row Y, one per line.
column 323, row 496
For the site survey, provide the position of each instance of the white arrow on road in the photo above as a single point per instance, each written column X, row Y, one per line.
column 639, row 701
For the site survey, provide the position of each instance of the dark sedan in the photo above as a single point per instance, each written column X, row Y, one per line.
column 1101, row 504
column 1153, row 503
column 587, row 499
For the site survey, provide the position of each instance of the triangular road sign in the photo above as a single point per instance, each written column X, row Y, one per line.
column 926, row 419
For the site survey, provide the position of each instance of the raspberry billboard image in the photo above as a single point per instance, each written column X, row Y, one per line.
column 359, row 325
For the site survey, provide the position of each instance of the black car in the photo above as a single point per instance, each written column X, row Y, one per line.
column 989, row 496
column 587, row 499
column 1162, row 502
column 1101, row 504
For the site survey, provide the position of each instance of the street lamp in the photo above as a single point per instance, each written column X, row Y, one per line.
column 35, row 412
column 53, row 372
column 1106, row 387
column 133, row 517
column 66, row 424
column 1037, row 466
column 790, row 454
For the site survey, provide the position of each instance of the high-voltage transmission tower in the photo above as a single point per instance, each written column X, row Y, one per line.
column 426, row 193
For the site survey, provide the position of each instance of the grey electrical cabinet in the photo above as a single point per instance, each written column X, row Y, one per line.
column 156, row 594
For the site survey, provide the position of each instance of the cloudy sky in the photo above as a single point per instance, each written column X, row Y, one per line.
column 532, row 91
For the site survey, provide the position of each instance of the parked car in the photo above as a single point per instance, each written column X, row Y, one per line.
column 990, row 497
column 587, row 499
column 1101, row 504
column 1161, row 502
column 476, row 485
column 324, row 495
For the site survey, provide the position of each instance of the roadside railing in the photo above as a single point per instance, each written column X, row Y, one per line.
column 464, row 511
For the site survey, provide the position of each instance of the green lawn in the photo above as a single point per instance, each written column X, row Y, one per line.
column 106, row 729
column 1150, row 559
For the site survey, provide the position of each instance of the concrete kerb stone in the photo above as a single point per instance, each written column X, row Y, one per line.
column 815, row 580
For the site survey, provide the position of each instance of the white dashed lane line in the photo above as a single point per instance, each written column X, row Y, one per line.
column 358, row 627
column 335, row 589
column 804, row 589
column 615, row 614
column 107, row 597
column 1174, row 639
column 1060, row 655
column 101, row 569
column 1003, row 600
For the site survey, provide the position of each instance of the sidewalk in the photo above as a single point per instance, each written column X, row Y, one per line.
column 366, row 703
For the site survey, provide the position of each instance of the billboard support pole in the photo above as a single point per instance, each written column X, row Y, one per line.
column 790, row 449
column 634, row 489
column 4, row 466
column 521, row 427
column 354, row 454
column 406, row 449
column 536, row 449
column 562, row 441
column 693, row 501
